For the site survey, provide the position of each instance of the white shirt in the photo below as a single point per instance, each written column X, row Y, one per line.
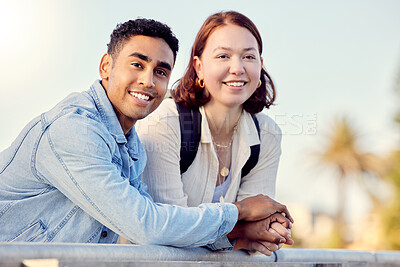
column 220, row 190
column 160, row 135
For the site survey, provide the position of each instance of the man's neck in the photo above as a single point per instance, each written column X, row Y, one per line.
column 126, row 124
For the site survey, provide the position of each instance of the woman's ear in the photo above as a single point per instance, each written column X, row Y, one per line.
column 105, row 66
column 198, row 67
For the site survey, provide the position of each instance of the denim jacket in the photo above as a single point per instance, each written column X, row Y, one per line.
column 73, row 176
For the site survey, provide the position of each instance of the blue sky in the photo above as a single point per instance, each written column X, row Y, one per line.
column 327, row 58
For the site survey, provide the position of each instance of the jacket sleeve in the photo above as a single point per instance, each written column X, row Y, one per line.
column 160, row 135
column 83, row 167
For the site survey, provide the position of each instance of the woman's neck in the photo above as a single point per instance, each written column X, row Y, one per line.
column 222, row 120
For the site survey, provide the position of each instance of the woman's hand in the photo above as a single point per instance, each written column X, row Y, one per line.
column 263, row 236
column 260, row 230
column 278, row 228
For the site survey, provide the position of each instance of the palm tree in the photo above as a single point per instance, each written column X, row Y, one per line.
column 391, row 213
column 342, row 153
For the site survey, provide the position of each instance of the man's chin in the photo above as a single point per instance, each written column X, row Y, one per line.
column 142, row 115
column 140, row 112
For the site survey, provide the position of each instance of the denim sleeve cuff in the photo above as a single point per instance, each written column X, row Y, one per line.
column 231, row 214
column 222, row 244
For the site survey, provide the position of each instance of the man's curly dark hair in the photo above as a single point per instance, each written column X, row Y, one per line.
column 147, row 27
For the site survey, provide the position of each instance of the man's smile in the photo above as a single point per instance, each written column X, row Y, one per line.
column 141, row 96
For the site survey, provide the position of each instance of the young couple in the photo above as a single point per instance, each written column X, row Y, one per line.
column 74, row 173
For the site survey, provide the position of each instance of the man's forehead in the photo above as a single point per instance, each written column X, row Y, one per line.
column 153, row 48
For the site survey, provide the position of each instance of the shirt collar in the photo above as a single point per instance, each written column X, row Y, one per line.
column 205, row 129
column 135, row 148
column 106, row 111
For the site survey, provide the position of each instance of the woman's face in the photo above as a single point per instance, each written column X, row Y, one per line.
column 230, row 65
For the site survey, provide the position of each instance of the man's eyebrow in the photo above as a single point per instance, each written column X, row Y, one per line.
column 161, row 64
column 164, row 65
column 141, row 56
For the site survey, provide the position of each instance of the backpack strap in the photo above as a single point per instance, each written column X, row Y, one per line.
column 190, row 124
column 254, row 151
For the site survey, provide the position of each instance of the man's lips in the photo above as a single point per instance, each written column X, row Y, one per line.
column 141, row 96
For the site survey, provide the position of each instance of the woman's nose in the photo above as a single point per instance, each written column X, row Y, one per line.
column 237, row 66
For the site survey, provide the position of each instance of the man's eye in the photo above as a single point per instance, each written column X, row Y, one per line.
column 137, row 65
column 161, row 72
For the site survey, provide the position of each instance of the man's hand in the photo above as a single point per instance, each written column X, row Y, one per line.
column 265, row 248
column 260, row 207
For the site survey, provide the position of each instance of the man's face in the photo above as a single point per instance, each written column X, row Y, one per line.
column 136, row 79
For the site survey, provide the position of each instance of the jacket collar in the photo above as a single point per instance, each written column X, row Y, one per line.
column 109, row 118
column 106, row 111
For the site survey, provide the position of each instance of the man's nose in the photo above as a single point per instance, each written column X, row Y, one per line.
column 146, row 79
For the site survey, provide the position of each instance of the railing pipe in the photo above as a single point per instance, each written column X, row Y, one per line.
column 170, row 256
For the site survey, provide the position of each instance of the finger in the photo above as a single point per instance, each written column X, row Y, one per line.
column 244, row 243
column 280, row 244
column 282, row 230
column 283, row 209
column 277, row 217
column 286, row 233
column 290, row 223
column 289, row 240
column 260, row 248
column 272, row 237
column 270, row 246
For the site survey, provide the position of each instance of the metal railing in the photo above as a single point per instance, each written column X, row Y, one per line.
column 65, row 254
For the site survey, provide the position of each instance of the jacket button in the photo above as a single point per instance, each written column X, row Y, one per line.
column 104, row 234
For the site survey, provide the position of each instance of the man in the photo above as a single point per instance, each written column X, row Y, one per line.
column 73, row 173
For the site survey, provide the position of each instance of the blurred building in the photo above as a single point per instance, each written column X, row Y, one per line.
column 317, row 230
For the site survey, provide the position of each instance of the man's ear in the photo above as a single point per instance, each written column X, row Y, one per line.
column 198, row 67
column 105, row 66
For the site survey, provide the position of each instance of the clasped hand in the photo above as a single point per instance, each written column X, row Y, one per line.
column 264, row 225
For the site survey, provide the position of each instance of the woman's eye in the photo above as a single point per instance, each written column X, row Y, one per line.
column 250, row 57
column 222, row 56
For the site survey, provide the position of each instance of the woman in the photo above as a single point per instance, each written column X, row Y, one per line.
column 226, row 81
